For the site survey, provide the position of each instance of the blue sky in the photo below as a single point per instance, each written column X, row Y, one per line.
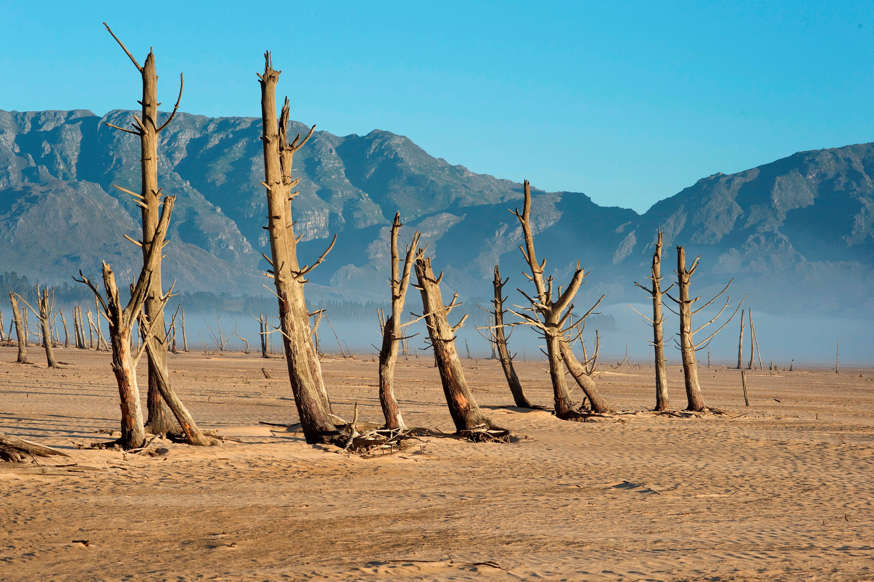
column 627, row 102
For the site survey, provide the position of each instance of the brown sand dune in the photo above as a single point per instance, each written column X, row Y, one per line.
column 782, row 490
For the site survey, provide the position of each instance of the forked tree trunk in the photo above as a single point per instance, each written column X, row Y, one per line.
column 147, row 129
column 19, row 330
column 695, row 400
column 392, row 328
column 304, row 368
column 499, row 343
column 584, row 378
column 462, row 406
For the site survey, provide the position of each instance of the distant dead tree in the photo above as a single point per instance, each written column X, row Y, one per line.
column 469, row 421
column 146, row 128
column 184, row 336
column 19, row 330
column 78, row 328
column 498, row 339
column 552, row 314
column 304, row 368
column 687, row 344
column 243, row 340
column 658, row 336
column 2, row 335
column 124, row 361
column 740, row 342
column 66, row 332
column 315, row 329
column 262, row 334
column 392, row 328
column 754, row 341
column 45, row 305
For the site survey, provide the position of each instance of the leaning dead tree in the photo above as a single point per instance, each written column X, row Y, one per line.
column 19, row 330
column 658, row 336
column 469, row 421
column 687, row 344
column 304, row 368
column 498, row 338
column 124, row 360
column 551, row 313
column 16, row 450
column 392, row 328
column 146, row 128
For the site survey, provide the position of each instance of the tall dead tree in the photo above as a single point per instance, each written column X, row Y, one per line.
column 469, row 420
column 147, row 129
column 77, row 327
column 124, row 360
column 184, row 336
column 658, row 334
column 740, row 342
column 19, row 330
column 304, row 368
column 392, row 328
column 498, row 338
column 551, row 313
column 262, row 334
column 687, row 344
column 66, row 332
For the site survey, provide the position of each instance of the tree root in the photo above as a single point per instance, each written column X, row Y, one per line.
column 16, row 450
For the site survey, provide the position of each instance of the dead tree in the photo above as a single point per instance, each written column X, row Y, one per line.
column 66, row 333
column 19, row 330
column 315, row 329
column 687, row 344
column 2, row 335
column 304, row 368
column 498, row 340
column 754, row 341
column 740, row 342
column 124, row 361
column 392, row 328
column 244, row 340
column 657, row 321
column 263, row 333
column 45, row 304
column 24, row 319
column 147, row 129
column 77, row 327
column 469, row 421
column 184, row 336
column 16, row 450
column 552, row 314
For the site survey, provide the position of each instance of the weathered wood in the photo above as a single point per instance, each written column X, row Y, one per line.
column 149, row 199
column 262, row 333
column 392, row 331
column 17, row 450
column 184, row 336
column 304, row 368
column 462, row 406
column 498, row 341
column 743, row 381
column 19, row 330
column 740, row 342
column 657, row 322
column 583, row 376
column 46, row 304
column 754, row 338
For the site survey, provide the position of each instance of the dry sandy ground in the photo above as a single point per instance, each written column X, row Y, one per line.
column 782, row 490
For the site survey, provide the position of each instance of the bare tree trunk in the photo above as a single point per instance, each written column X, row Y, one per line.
column 465, row 413
column 752, row 342
column 2, row 337
column 392, row 328
column 262, row 326
column 695, row 400
column 184, row 337
column 755, row 341
column 46, row 303
column 26, row 337
column 740, row 342
column 657, row 321
column 77, row 327
column 66, row 333
column 304, row 368
column 499, row 342
column 315, row 333
column 90, row 331
column 19, row 330
column 583, row 375
column 149, row 198
column 837, row 349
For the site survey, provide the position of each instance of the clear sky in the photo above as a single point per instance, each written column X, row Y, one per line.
column 628, row 102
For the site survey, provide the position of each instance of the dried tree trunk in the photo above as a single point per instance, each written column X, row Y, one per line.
column 45, row 304
column 695, row 401
column 184, row 337
column 262, row 332
column 657, row 321
column 90, row 331
column 149, row 198
column 66, row 333
column 550, row 313
column 26, row 337
column 752, row 342
column 392, row 327
column 583, row 377
column 17, row 450
column 755, row 341
column 304, row 368
column 77, row 327
column 19, row 330
column 2, row 337
column 315, row 333
column 499, row 342
column 465, row 413
column 740, row 342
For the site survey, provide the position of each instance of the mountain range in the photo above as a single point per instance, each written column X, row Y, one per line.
column 796, row 235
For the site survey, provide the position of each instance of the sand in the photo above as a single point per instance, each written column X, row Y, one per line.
column 782, row 490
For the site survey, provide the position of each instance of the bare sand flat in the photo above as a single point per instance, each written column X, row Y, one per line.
column 782, row 490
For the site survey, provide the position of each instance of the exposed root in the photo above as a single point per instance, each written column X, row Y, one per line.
column 485, row 434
